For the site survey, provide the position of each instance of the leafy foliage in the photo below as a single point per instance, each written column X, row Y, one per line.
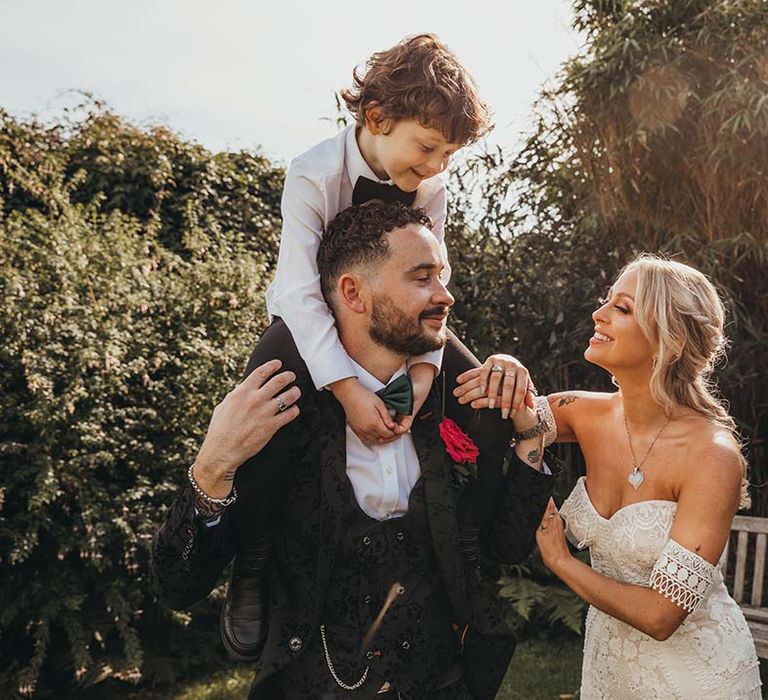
column 538, row 600
column 654, row 139
column 120, row 331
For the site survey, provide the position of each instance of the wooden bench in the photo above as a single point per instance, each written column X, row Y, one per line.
column 751, row 599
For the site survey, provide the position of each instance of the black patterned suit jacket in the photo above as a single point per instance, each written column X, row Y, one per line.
column 294, row 491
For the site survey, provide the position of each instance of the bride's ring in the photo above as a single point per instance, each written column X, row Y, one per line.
column 281, row 405
column 497, row 368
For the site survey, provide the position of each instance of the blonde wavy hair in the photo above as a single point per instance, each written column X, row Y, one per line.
column 681, row 314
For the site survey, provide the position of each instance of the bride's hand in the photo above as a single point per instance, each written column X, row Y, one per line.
column 550, row 538
column 501, row 375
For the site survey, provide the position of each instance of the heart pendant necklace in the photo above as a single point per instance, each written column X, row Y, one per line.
column 636, row 476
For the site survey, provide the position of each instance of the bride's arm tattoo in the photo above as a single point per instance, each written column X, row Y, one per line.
column 565, row 400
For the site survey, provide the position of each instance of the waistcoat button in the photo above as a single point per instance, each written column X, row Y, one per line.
column 366, row 540
column 369, row 655
column 367, row 600
column 401, row 536
column 406, row 646
column 295, row 643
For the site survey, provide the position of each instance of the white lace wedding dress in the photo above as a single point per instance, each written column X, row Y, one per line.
column 711, row 655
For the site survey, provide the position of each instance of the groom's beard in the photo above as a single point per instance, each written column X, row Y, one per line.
column 396, row 331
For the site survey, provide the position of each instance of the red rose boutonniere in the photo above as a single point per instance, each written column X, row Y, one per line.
column 457, row 443
column 461, row 450
column 459, row 446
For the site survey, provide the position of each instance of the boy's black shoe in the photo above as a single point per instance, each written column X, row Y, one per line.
column 243, row 622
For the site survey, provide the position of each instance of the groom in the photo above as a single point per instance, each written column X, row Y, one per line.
column 374, row 549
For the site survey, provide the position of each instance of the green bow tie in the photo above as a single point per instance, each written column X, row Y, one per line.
column 398, row 394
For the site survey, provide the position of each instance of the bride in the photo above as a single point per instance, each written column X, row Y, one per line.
column 664, row 477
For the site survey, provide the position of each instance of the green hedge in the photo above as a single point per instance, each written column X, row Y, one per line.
column 120, row 333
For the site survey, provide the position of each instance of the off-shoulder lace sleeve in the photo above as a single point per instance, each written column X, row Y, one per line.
column 545, row 411
column 682, row 576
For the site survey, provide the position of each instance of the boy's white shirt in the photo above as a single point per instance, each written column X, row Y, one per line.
column 318, row 185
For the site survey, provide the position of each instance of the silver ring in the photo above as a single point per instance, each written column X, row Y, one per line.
column 497, row 368
column 281, row 405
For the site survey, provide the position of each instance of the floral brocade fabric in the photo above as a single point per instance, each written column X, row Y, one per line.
column 711, row 655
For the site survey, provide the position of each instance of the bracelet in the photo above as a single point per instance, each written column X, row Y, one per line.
column 228, row 501
column 539, row 429
column 544, row 410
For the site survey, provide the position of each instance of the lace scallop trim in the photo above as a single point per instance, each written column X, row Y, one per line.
column 545, row 411
column 682, row 576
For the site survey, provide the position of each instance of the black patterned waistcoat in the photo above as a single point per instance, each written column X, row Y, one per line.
column 414, row 645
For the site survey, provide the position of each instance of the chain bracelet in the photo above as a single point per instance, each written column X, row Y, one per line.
column 541, row 428
column 228, row 501
column 328, row 661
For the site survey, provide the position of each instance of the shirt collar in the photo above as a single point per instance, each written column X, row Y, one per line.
column 369, row 381
column 354, row 161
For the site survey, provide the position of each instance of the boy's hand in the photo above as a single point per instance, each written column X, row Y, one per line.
column 366, row 413
column 422, row 375
column 500, row 376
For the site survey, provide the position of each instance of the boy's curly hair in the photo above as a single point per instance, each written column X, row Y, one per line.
column 356, row 236
column 420, row 78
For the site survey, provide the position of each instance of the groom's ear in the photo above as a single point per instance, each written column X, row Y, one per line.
column 352, row 293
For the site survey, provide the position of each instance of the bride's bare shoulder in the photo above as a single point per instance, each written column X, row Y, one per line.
column 572, row 408
column 581, row 401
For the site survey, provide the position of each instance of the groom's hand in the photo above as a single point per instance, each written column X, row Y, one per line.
column 243, row 423
column 501, row 378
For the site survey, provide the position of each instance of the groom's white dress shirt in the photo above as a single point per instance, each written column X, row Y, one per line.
column 318, row 185
column 382, row 476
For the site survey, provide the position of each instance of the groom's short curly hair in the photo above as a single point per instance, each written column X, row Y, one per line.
column 356, row 237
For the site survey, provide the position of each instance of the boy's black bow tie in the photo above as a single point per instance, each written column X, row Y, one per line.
column 367, row 189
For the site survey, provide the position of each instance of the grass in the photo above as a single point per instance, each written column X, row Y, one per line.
column 540, row 670
column 544, row 670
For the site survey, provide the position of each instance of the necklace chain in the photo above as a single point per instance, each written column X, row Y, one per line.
column 650, row 447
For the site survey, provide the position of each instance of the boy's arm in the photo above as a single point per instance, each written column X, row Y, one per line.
column 296, row 296
column 298, row 299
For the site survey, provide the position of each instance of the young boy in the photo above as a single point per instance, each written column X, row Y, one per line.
column 414, row 107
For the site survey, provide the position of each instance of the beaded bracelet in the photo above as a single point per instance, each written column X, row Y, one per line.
column 224, row 502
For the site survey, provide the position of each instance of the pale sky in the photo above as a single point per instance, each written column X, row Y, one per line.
column 262, row 73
